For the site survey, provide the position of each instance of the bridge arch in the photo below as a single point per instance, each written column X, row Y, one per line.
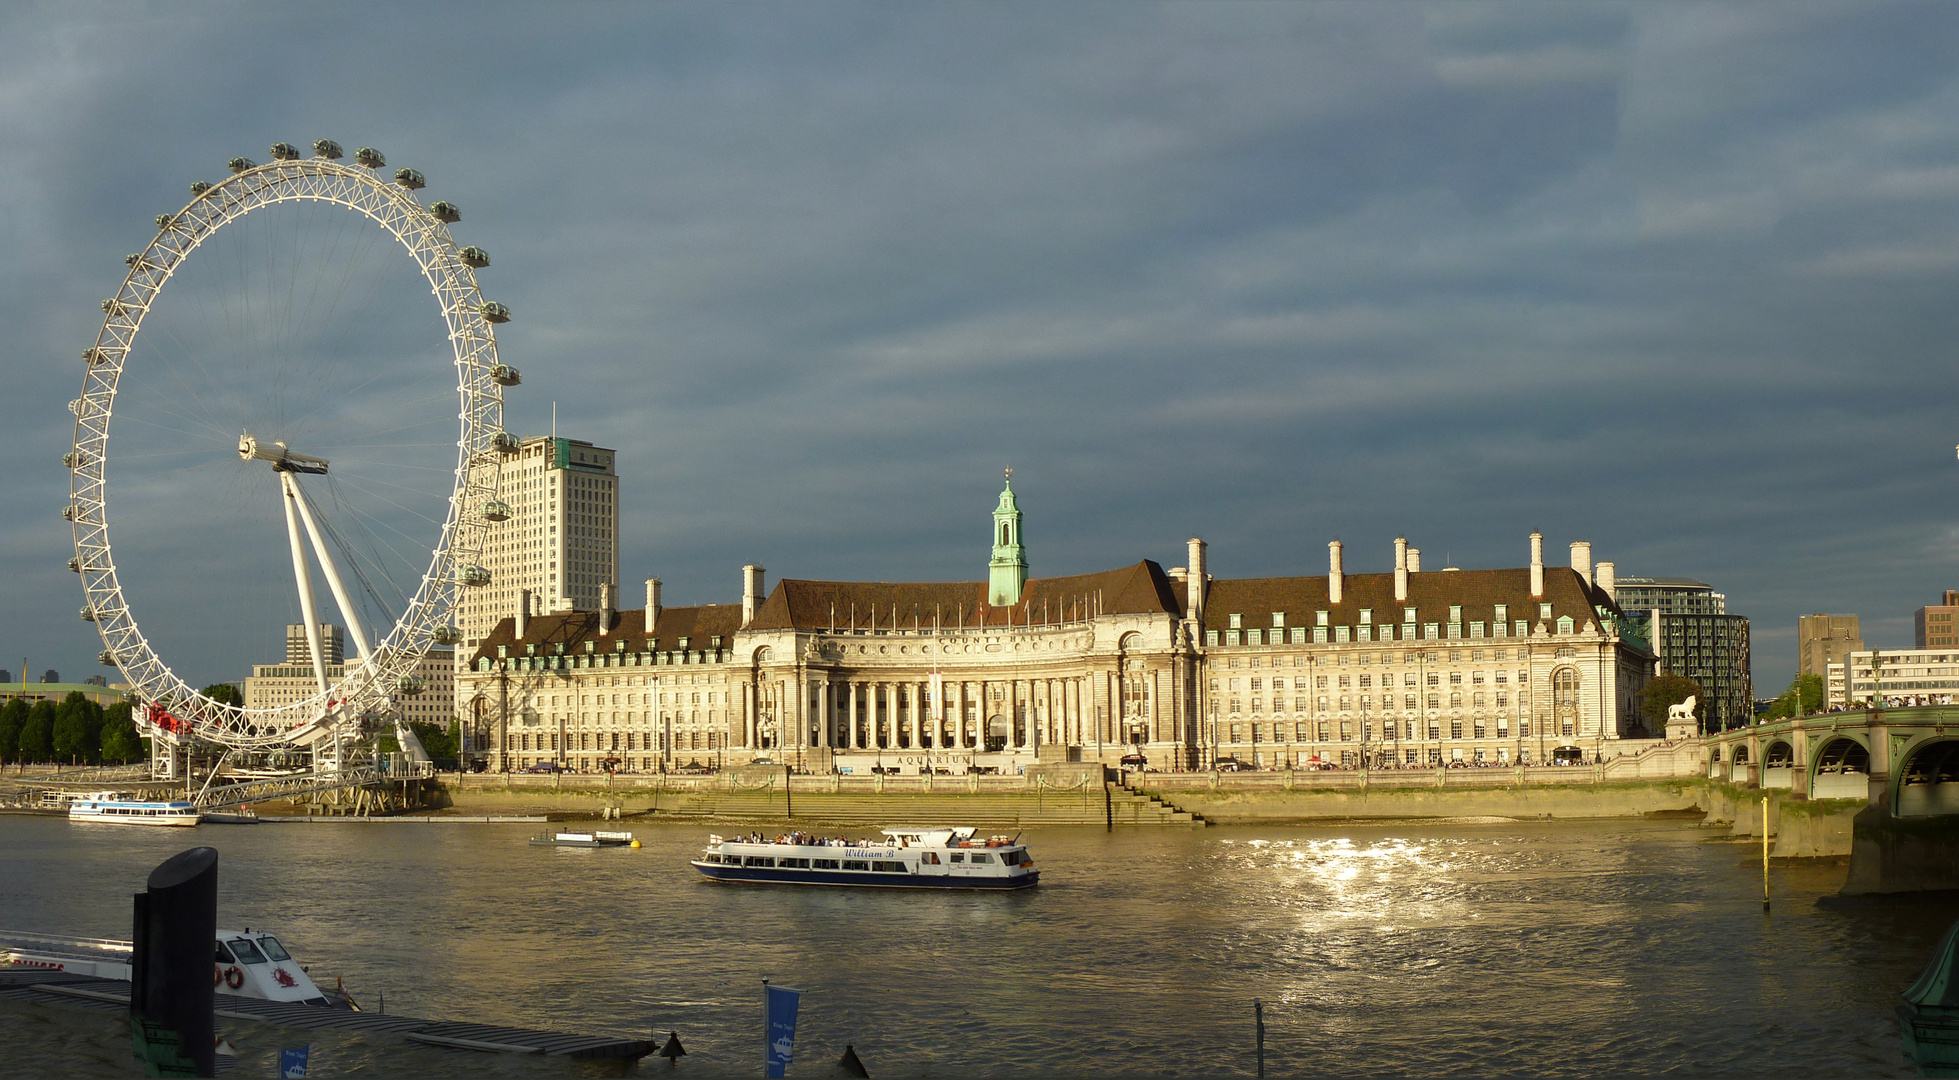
column 1841, row 769
column 1928, row 780
column 1779, row 764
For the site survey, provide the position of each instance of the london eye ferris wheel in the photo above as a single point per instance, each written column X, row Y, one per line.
column 288, row 413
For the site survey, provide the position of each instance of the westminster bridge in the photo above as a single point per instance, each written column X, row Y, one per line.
column 1903, row 761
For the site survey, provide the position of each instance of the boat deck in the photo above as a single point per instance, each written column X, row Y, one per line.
column 31, row 985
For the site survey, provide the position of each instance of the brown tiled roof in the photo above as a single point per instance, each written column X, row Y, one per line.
column 572, row 629
column 1431, row 593
column 817, row 605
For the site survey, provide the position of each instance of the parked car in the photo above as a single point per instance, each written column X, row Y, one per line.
column 1231, row 764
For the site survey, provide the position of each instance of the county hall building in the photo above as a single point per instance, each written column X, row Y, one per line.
column 1408, row 668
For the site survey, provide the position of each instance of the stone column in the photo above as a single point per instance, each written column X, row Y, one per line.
column 854, row 738
column 1880, row 736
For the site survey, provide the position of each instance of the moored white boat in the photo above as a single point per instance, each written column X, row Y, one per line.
column 118, row 808
column 906, row 858
column 247, row 963
column 600, row 838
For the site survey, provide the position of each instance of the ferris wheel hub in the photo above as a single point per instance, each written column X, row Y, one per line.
column 282, row 458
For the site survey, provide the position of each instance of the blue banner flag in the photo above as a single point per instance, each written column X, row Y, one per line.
column 782, row 1004
column 292, row 1063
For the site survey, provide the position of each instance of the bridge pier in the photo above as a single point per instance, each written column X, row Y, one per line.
column 1799, row 744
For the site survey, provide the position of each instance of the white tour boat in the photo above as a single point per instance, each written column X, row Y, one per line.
column 247, row 964
column 117, row 808
column 952, row 858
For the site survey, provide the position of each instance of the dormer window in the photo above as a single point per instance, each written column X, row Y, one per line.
column 1366, row 616
column 1320, row 618
column 1502, row 613
column 1543, row 611
column 1407, row 615
column 1279, row 619
column 1455, row 612
column 1237, row 622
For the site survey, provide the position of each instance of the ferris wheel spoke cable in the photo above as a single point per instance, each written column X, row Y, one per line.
column 355, row 562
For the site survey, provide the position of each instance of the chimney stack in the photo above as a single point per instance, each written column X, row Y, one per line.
column 1581, row 559
column 751, row 593
column 605, row 609
column 523, row 613
column 1537, row 566
column 652, row 604
column 1335, row 573
column 1400, row 569
column 1194, row 587
column 1608, row 580
column 1414, row 560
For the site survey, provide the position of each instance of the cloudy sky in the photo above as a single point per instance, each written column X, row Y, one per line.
column 1678, row 279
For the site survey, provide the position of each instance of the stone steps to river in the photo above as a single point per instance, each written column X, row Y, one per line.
column 980, row 809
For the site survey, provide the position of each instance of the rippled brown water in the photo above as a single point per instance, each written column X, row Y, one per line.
column 1531, row 949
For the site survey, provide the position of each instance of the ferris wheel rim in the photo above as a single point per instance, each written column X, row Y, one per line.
column 428, row 616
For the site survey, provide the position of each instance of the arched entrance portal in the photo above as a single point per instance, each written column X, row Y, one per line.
column 1843, row 770
column 1738, row 770
column 1930, row 781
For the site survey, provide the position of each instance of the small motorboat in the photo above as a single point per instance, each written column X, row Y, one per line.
column 246, row 963
column 600, row 838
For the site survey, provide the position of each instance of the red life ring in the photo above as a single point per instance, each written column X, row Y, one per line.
column 234, row 978
column 217, row 974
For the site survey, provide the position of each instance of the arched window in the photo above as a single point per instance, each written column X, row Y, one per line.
column 1564, row 700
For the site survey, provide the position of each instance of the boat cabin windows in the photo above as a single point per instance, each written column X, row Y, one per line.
column 794, row 864
column 273, row 949
column 825, row 864
column 958, row 856
column 760, row 860
column 224, row 955
column 1012, row 858
column 710, row 857
column 856, row 864
column 930, row 858
column 247, row 952
column 888, row 867
column 982, row 857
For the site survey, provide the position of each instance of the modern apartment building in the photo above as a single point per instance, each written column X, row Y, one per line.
column 1822, row 640
column 1693, row 635
column 1933, row 626
column 560, row 541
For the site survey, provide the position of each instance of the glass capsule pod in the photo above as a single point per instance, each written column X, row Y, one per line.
column 410, row 179
column 74, row 459
column 68, row 512
column 199, row 187
column 504, row 442
column 240, row 164
column 284, row 152
column 112, row 306
column 410, row 685
column 369, row 157
column 88, row 613
column 94, row 355
column 475, row 257
column 327, row 148
column 106, row 658
column 74, row 566
column 497, row 510
column 505, row 375
column 495, row 312
column 472, row 575
column 163, row 220
column 446, row 212
column 446, row 635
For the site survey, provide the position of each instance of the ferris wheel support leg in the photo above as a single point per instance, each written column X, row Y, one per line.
column 304, row 578
column 332, row 573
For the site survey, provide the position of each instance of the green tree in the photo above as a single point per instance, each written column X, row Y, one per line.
column 37, row 734
column 77, row 730
column 120, row 742
column 441, row 743
column 12, row 717
column 1664, row 693
column 1810, row 689
column 224, row 693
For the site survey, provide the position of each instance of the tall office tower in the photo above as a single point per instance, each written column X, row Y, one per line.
column 1822, row 640
column 333, row 643
column 1693, row 635
column 561, row 540
column 1934, row 625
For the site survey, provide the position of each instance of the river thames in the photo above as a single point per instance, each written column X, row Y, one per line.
column 1493, row 948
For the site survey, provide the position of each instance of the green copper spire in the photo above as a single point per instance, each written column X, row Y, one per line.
column 1007, row 574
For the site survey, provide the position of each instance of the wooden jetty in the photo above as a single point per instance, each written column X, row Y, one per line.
column 34, row 985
